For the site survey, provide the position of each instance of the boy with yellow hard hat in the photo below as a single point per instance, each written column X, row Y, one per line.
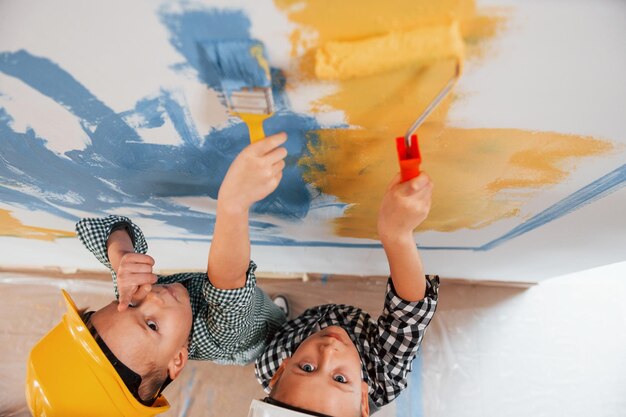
column 116, row 361
column 69, row 374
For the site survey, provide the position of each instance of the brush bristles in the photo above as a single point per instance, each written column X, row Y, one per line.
column 243, row 72
column 239, row 61
column 256, row 102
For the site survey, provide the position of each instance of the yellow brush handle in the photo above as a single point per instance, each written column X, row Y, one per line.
column 255, row 125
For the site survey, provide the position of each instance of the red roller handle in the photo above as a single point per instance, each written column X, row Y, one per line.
column 409, row 158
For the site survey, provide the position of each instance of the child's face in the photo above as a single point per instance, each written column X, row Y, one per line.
column 153, row 333
column 323, row 375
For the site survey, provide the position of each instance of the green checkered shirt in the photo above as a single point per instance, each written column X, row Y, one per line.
column 229, row 326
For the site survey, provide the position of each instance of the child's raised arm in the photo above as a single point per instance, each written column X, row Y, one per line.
column 404, row 207
column 253, row 175
column 134, row 270
column 120, row 246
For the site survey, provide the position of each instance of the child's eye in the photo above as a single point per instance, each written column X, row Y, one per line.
column 307, row 367
column 341, row 379
column 132, row 305
column 151, row 324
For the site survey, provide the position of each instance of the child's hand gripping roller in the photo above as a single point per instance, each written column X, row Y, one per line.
column 408, row 145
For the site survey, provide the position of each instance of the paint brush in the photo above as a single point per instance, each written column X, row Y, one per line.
column 408, row 146
column 244, row 75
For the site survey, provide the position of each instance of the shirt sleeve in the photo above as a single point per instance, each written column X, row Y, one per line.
column 94, row 234
column 401, row 329
column 231, row 308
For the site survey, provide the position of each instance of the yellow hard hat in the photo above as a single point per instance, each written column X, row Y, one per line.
column 69, row 375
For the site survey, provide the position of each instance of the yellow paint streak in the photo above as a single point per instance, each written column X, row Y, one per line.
column 357, row 19
column 388, row 103
column 478, row 30
column 480, row 175
column 257, row 52
column 10, row 226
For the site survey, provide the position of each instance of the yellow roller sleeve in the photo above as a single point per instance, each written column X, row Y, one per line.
column 340, row 60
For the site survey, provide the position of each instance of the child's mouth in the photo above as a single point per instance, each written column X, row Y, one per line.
column 335, row 336
column 171, row 291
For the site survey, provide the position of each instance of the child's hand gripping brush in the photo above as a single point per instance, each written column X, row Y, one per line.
column 244, row 74
column 408, row 145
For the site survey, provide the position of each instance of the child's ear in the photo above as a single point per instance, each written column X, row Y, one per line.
column 279, row 372
column 365, row 401
column 178, row 362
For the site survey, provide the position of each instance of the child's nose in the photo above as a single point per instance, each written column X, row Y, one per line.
column 155, row 296
column 328, row 355
column 329, row 345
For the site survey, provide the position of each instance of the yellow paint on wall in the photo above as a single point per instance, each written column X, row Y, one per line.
column 322, row 21
column 345, row 20
column 257, row 52
column 480, row 175
column 388, row 103
column 10, row 226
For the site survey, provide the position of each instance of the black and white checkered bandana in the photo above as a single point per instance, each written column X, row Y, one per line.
column 387, row 346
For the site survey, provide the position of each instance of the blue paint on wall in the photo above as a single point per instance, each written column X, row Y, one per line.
column 48, row 78
column 118, row 169
column 594, row 191
column 234, row 63
column 190, row 27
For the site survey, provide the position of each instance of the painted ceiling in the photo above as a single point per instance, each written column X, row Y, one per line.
column 107, row 108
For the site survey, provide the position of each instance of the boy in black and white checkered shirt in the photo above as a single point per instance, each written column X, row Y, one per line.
column 334, row 360
column 159, row 322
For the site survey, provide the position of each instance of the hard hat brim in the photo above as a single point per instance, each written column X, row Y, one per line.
column 68, row 373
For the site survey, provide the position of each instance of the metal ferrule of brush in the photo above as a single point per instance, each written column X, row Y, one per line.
column 252, row 101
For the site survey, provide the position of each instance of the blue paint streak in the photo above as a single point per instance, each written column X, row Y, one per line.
column 281, row 102
column 49, row 79
column 181, row 119
column 233, row 63
column 190, row 27
column 282, row 241
column 411, row 401
column 151, row 112
column 599, row 188
column 143, row 174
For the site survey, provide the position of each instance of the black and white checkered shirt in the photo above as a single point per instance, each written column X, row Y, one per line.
column 229, row 326
column 387, row 347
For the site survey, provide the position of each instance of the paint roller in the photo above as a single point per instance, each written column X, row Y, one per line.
column 342, row 60
column 407, row 146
